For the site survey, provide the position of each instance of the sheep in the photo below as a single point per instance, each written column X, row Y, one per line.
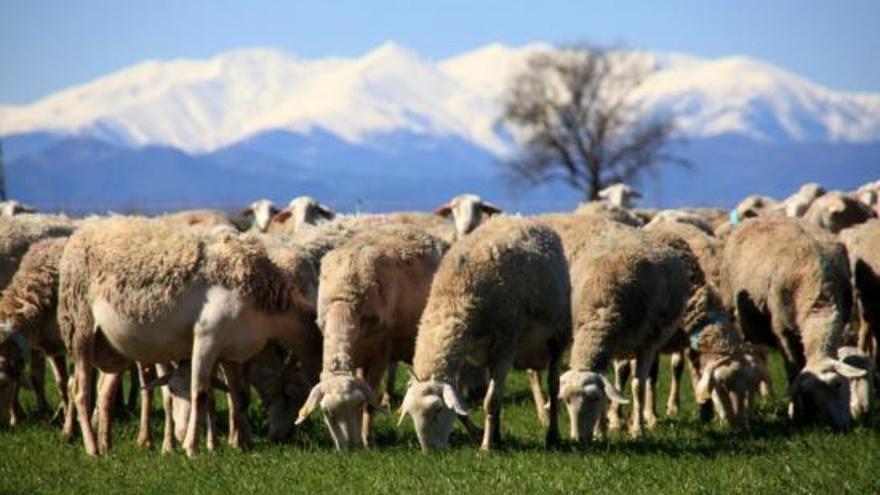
column 798, row 203
column 372, row 292
column 869, row 194
column 12, row 207
column 863, row 249
column 467, row 211
column 197, row 217
column 835, row 212
column 498, row 299
column 619, row 195
column 280, row 380
column 262, row 210
column 788, row 284
column 303, row 210
column 629, row 293
column 610, row 212
column 27, row 320
column 682, row 216
column 861, row 389
column 139, row 289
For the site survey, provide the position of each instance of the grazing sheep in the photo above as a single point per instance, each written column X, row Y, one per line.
column 498, row 299
column 861, row 389
column 372, row 292
column 467, row 211
column 197, row 217
column 27, row 321
column 278, row 377
column 863, row 248
column 835, row 212
column 629, row 292
column 12, row 207
column 138, row 289
column 262, row 211
column 788, row 283
column 619, row 195
column 303, row 210
column 798, row 203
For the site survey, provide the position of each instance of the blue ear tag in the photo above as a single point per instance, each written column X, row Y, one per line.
column 734, row 217
column 695, row 338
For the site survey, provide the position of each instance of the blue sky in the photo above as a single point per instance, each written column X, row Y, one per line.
column 50, row 45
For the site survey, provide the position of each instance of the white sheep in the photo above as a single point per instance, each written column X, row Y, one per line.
column 619, row 194
column 467, row 211
column 498, row 299
column 262, row 211
column 12, row 207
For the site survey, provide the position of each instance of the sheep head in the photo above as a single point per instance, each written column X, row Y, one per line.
column 619, row 194
column 342, row 399
column 304, row 210
column 433, row 406
column 731, row 382
column 467, row 212
column 586, row 395
column 262, row 210
column 821, row 392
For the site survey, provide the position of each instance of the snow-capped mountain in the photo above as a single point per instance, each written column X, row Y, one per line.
column 203, row 105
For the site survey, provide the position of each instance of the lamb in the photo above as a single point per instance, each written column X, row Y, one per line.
column 629, row 293
column 498, row 299
column 836, row 211
column 467, row 211
column 27, row 321
column 731, row 372
column 619, row 195
column 372, row 292
column 262, row 210
column 303, row 210
column 12, row 207
column 138, row 289
column 788, row 283
column 863, row 248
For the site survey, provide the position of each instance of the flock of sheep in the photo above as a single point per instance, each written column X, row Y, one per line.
column 313, row 309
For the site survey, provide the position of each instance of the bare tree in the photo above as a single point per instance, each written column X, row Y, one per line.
column 575, row 111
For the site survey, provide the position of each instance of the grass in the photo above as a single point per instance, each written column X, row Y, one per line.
column 681, row 456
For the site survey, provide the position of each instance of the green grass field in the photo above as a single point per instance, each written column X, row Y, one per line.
column 680, row 456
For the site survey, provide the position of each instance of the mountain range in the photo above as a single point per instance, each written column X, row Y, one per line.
column 396, row 130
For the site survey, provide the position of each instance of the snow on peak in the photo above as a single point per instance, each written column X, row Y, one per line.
column 203, row 105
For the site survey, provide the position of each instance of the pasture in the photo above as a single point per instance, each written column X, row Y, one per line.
column 682, row 455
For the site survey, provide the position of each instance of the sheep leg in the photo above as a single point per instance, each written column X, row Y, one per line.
column 725, row 406
column 17, row 413
column 38, row 381
column 240, row 437
column 134, row 388
column 83, row 396
column 621, row 375
column 553, row 439
column 106, row 397
column 676, row 361
column 203, row 359
column 388, row 397
column 145, row 373
column 492, row 405
column 70, row 409
column 640, row 378
column 59, row 371
column 538, row 396
column 650, row 392
column 373, row 377
column 211, row 424
column 168, row 409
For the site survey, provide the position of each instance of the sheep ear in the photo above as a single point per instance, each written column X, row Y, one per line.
column 848, row 370
column 158, row 382
column 451, row 400
column 282, row 216
column 612, row 392
column 326, row 212
column 404, row 406
column 444, row 210
column 273, row 210
column 635, row 194
column 489, row 209
column 311, row 404
column 705, row 385
column 247, row 212
column 837, row 205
